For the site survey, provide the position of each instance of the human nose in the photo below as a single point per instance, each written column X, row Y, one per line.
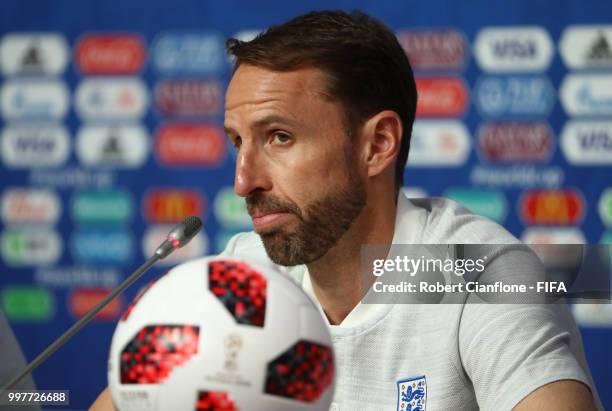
column 251, row 173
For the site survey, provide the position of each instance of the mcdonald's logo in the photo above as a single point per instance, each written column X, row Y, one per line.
column 172, row 205
column 552, row 207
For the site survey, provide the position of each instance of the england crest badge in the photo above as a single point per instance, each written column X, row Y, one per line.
column 412, row 394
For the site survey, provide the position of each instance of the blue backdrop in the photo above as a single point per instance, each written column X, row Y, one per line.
column 111, row 114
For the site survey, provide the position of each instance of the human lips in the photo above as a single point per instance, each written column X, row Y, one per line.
column 266, row 219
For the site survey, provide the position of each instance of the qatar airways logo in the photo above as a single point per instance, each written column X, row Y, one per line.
column 188, row 98
column 434, row 49
column 511, row 142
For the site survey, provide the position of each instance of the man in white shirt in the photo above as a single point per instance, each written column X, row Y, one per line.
column 320, row 111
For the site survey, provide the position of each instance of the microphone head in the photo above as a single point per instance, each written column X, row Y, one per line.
column 185, row 231
column 180, row 235
column 192, row 226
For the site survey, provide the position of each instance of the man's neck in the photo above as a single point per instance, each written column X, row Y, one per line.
column 336, row 277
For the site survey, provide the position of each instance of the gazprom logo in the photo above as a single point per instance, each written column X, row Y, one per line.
column 39, row 99
column 587, row 94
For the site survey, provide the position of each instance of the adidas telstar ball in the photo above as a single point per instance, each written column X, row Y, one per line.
column 221, row 335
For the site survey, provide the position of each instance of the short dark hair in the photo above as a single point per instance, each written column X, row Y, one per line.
column 367, row 68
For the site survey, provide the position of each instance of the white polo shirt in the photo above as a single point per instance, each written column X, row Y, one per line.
column 444, row 356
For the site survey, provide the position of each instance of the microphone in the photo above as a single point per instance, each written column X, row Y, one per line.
column 177, row 238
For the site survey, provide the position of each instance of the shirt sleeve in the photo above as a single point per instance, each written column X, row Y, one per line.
column 510, row 350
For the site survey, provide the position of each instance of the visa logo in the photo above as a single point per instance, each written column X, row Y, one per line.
column 37, row 145
column 595, row 140
column 587, row 142
column 34, row 146
column 513, row 48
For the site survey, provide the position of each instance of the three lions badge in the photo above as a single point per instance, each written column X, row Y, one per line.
column 412, row 394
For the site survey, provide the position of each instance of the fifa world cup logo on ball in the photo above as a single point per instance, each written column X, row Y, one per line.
column 232, row 344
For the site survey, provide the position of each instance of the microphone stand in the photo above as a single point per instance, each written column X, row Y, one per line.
column 177, row 238
column 83, row 321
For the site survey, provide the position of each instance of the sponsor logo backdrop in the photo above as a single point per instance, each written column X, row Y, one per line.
column 111, row 131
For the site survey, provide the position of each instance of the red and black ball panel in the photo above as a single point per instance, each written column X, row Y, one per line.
column 302, row 373
column 241, row 290
column 155, row 351
column 214, row 401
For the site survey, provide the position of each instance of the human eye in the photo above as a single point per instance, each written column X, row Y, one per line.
column 281, row 138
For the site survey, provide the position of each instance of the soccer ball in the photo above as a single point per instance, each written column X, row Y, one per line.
column 221, row 335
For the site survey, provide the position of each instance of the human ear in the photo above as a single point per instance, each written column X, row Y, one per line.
column 383, row 134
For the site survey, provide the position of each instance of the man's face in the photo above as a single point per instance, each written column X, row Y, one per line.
column 296, row 166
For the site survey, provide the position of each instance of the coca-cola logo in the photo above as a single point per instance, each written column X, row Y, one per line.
column 110, row 54
column 441, row 97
